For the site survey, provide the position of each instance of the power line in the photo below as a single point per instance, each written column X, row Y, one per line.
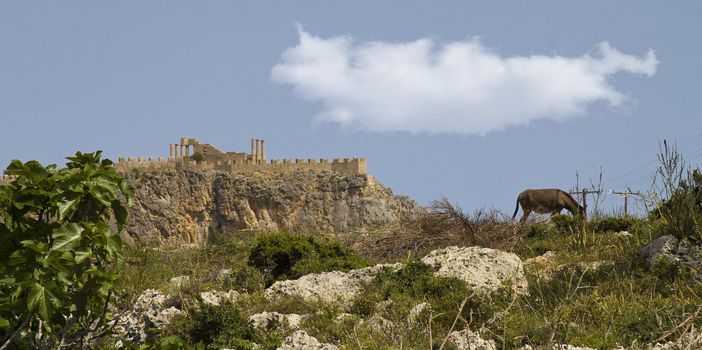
column 652, row 162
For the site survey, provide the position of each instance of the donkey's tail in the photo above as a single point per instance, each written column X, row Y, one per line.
column 516, row 210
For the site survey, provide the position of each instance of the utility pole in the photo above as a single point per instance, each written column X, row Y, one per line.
column 584, row 192
column 626, row 195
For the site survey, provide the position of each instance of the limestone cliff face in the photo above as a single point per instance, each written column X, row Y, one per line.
column 190, row 206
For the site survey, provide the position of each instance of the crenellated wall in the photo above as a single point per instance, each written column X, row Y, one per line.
column 211, row 157
column 346, row 166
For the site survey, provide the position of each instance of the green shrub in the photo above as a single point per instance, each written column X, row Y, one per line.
column 565, row 224
column 536, row 231
column 611, row 224
column 681, row 215
column 281, row 256
column 219, row 327
column 173, row 342
column 415, row 283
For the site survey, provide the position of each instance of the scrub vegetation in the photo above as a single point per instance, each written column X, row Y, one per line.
column 588, row 282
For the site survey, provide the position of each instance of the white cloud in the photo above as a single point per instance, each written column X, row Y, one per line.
column 458, row 87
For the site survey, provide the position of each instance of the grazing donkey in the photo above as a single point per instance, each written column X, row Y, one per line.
column 547, row 200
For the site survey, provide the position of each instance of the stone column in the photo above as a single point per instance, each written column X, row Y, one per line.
column 187, row 150
column 177, row 151
column 170, row 151
column 258, row 150
column 182, row 151
column 253, row 150
column 263, row 152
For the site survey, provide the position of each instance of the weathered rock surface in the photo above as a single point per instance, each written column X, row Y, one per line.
column 300, row 340
column 274, row 320
column 189, row 206
column 570, row 347
column 217, row 297
column 485, row 270
column 151, row 310
column 469, row 340
column 328, row 287
column 670, row 249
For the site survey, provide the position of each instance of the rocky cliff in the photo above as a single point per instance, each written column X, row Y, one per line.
column 191, row 206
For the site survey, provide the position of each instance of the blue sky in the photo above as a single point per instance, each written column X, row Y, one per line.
column 474, row 101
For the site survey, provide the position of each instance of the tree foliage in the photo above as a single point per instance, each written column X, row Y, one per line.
column 56, row 243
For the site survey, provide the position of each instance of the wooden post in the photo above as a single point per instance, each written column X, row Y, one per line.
column 626, row 195
column 585, row 192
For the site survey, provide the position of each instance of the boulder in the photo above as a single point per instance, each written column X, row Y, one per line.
column 300, row 340
column 483, row 269
column 469, row 340
column 417, row 311
column 151, row 310
column 327, row 287
column 179, row 281
column 570, row 347
column 670, row 249
column 274, row 320
column 216, row 297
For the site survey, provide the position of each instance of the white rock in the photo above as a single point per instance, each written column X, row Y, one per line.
column 661, row 247
column 149, row 311
column 469, row 340
column 328, row 287
column 274, row 320
column 215, row 297
column 164, row 316
column 179, row 281
column 483, row 269
column 570, row 347
column 300, row 340
column 623, row 234
column 673, row 250
column 416, row 312
column 380, row 325
column 544, row 259
column 223, row 274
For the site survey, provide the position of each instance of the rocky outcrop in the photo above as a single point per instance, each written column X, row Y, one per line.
column 274, row 320
column 216, row 297
column 483, row 269
column 151, row 310
column 300, row 340
column 469, row 340
column 327, row 287
column 189, row 206
column 671, row 250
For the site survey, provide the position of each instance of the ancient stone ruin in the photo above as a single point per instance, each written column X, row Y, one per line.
column 191, row 153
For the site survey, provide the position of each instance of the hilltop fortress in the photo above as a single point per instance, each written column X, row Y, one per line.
column 191, row 153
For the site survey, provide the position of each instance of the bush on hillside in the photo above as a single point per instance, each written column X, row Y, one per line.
column 611, row 224
column 681, row 215
column 221, row 326
column 281, row 256
column 416, row 283
column 565, row 224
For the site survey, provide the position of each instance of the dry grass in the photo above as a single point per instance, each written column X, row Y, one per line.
column 443, row 225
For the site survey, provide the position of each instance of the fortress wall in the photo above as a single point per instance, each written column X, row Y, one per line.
column 351, row 166
column 238, row 162
column 153, row 163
